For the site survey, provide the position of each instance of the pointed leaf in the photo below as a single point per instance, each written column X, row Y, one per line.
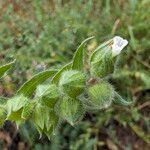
column 28, row 87
column 79, row 56
column 38, row 116
column 50, row 96
column 102, row 63
column 71, row 110
column 27, row 110
column 41, row 90
column 5, row 68
column 15, row 105
column 73, row 82
column 57, row 76
column 120, row 101
column 105, row 44
column 45, row 119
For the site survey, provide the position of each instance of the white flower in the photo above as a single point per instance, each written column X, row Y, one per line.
column 118, row 44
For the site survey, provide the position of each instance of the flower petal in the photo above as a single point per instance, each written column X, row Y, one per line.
column 118, row 44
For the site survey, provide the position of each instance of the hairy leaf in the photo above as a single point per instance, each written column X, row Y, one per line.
column 5, row 68
column 78, row 58
column 28, row 109
column 57, row 76
column 45, row 120
column 72, row 82
column 28, row 87
column 102, row 64
column 40, row 90
column 14, row 108
column 120, row 101
column 50, row 96
column 71, row 110
column 105, row 44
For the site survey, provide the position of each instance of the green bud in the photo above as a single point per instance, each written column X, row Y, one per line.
column 71, row 110
column 102, row 62
column 101, row 95
column 72, row 82
column 50, row 96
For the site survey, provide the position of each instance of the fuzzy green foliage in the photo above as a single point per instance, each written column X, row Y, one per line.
column 28, row 110
column 72, row 83
column 71, row 110
column 45, row 119
column 50, row 95
column 15, row 108
column 102, row 62
column 5, row 68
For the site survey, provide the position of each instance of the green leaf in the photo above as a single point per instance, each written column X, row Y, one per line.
column 72, row 82
column 50, row 96
column 45, row 119
column 28, row 109
column 14, row 107
column 28, row 87
column 39, row 116
column 40, row 90
column 57, row 76
column 5, row 68
column 105, row 44
column 78, row 59
column 71, row 110
column 102, row 64
column 15, row 116
column 120, row 101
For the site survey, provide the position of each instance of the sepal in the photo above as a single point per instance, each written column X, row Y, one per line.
column 118, row 100
column 50, row 96
column 45, row 120
column 102, row 62
column 72, row 83
column 71, row 110
column 14, row 108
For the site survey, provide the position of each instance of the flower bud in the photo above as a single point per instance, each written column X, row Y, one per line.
column 72, row 82
column 101, row 95
column 102, row 63
column 102, row 60
column 118, row 45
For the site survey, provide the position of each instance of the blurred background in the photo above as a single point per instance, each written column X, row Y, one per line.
column 42, row 33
